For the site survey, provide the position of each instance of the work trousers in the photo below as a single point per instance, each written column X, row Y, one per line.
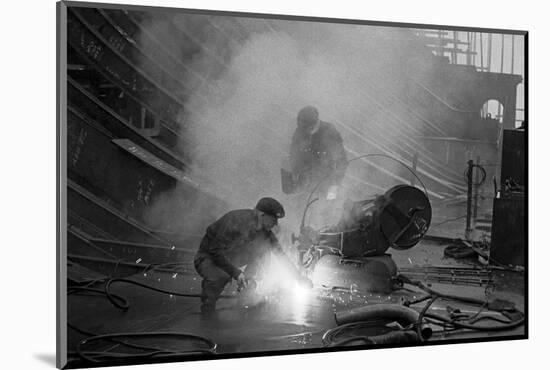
column 214, row 279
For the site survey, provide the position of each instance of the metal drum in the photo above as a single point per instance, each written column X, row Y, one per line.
column 398, row 219
column 406, row 217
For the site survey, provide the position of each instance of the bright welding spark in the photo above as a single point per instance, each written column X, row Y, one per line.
column 279, row 278
column 300, row 293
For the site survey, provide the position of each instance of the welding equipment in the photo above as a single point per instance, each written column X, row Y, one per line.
column 354, row 250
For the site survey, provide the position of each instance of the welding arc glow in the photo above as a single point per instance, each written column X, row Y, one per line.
column 300, row 293
column 278, row 279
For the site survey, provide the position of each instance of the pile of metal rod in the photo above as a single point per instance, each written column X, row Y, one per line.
column 449, row 275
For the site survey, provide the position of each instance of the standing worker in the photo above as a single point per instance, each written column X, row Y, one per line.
column 317, row 155
column 240, row 237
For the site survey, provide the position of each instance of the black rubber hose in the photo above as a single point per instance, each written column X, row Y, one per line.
column 122, row 301
column 395, row 337
column 421, row 317
column 404, row 315
column 124, row 305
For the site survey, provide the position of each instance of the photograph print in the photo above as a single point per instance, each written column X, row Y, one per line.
column 239, row 184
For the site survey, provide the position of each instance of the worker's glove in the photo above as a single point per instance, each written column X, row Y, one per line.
column 332, row 192
column 242, row 281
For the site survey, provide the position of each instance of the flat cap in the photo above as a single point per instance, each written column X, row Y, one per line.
column 271, row 207
column 307, row 116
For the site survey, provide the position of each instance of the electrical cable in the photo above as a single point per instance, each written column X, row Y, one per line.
column 302, row 224
column 122, row 302
column 125, row 305
column 452, row 219
column 441, row 295
column 457, row 322
column 396, row 160
column 445, row 325
column 474, row 316
column 93, row 356
column 463, row 325
column 210, row 346
column 489, row 318
column 324, row 178
column 131, row 345
column 408, row 303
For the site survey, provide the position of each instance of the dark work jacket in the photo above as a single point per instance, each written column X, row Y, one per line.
column 237, row 239
column 321, row 155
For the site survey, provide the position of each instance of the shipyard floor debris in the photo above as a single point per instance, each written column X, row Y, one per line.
column 293, row 322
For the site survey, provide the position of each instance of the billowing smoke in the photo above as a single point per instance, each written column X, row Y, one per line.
column 257, row 75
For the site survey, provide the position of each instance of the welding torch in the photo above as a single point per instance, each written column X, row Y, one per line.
column 244, row 282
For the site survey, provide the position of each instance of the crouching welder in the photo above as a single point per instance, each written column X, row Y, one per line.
column 239, row 238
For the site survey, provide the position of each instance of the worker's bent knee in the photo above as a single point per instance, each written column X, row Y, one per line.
column 208, row 270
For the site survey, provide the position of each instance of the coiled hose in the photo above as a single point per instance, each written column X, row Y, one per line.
column 377, row 314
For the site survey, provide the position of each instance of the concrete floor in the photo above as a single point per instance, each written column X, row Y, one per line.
column 284, row 322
